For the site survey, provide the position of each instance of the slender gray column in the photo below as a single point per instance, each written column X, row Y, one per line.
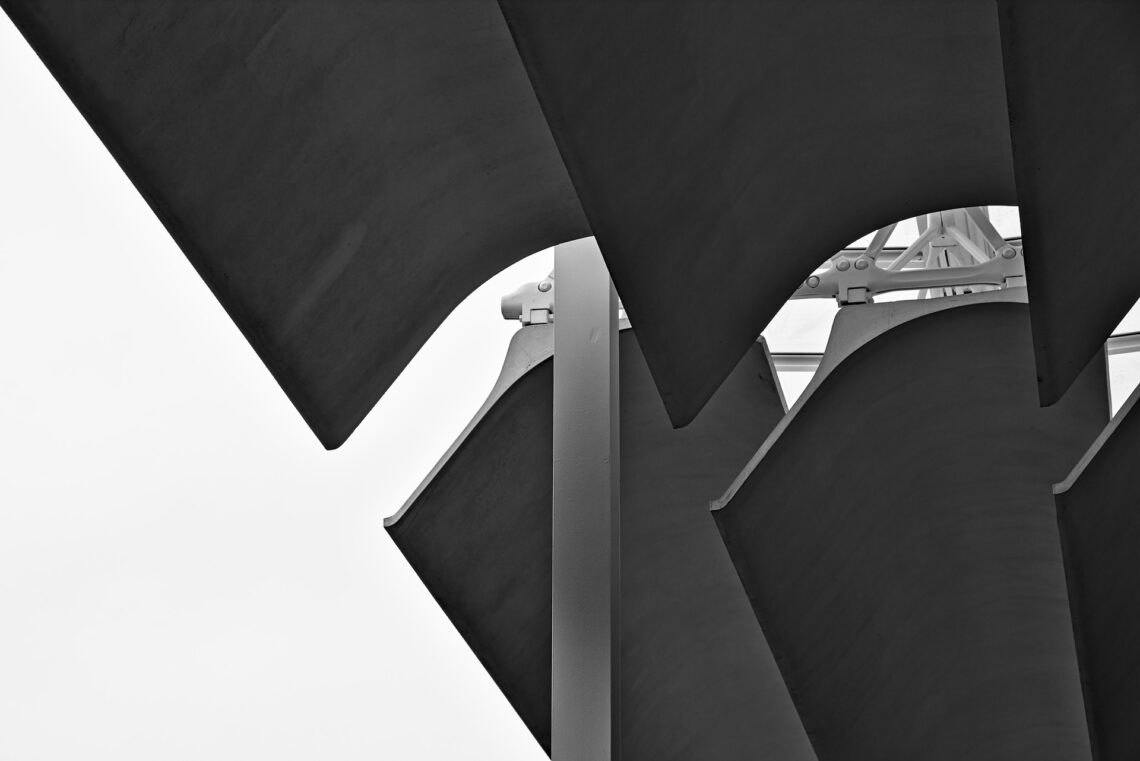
column 584, row 616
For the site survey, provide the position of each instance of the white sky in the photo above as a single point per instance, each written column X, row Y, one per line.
column 184, row 572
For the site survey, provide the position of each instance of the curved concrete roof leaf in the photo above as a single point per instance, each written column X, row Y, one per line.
column 341, row 174
column 899, row 545
column 696, row 677
column 1100, row 538
column 721, row 150
column 1072, row 69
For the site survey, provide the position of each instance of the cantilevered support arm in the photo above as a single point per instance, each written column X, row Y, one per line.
column 856, row 283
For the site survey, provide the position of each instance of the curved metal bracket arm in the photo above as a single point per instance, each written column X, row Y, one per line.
column 857, row 284
column 530, row 303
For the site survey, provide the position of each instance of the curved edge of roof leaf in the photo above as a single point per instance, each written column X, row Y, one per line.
column 339, row 209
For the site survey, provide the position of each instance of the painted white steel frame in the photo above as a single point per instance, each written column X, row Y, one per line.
column 586, row 564
column 959, row 248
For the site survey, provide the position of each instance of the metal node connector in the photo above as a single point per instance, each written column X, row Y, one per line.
column 956, row 251
column 531, row 303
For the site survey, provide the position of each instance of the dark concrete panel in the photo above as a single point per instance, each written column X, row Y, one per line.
column 697, row 679
column 340, row 173
column 899, row 546
column 1072, row 70
column 723, row 149
column 479, row 537
column 1098, row 507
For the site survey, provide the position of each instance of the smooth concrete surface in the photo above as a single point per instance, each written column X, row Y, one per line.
column 697, row 679
column 852, row 328
column 342, row 174
column 1072, row 70
column 1098, row 507
column 722, row 149
column 899, row 546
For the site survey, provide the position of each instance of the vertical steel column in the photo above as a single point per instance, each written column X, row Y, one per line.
column 584, row 620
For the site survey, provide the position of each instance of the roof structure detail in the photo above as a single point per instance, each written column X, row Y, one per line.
column 899, row 546
column 1100, row 532
column 1072, row 71
column 696, row 677
column 722, row 149
column 341, row 174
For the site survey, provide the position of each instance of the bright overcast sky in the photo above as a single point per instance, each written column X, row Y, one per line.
column 184, row 572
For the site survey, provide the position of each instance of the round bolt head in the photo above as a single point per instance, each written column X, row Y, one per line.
column 1008, row 253
column 544, row 286
column 813, row 281
column 843, row 265
column 862, row 264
